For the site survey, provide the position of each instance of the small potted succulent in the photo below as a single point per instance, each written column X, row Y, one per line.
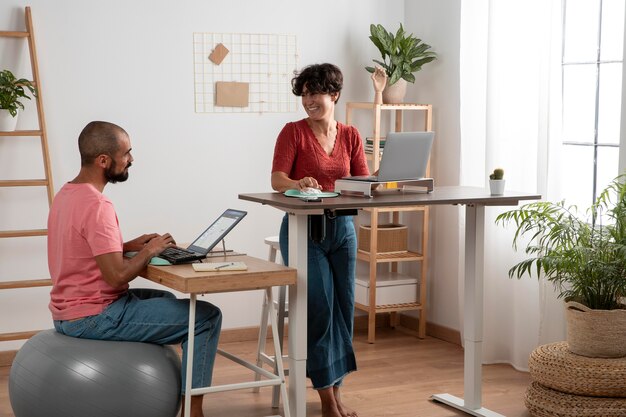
column 12, row 90
column 496, row 182
column 403, row 55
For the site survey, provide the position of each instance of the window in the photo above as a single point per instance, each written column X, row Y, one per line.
column 591, row 64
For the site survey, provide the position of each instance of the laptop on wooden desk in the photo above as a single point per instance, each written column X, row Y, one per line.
column 207, row 239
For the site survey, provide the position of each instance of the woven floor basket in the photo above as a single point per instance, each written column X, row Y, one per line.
column 554, row 366
column 545, row 402
column 596, row 333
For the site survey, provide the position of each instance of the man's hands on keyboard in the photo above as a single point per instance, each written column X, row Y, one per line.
column 176, row 252
column 158, row 243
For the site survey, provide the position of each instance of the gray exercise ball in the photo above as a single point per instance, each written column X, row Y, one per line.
column 60, row 376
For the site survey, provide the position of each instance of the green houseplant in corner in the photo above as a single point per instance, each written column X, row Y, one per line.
column 402, row 55
column 12, row 90
column 585, row 260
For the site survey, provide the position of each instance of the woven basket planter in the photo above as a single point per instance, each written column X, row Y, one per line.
column 596, row 333
column 545, row 402
column 555, row 367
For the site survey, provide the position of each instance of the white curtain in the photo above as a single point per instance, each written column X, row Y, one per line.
column 510, row 77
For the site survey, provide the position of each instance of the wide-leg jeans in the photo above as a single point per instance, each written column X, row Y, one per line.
column 155, row 316
column 331, row 274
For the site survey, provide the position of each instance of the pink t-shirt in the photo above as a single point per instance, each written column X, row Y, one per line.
column 298, row 154
column 82, row 224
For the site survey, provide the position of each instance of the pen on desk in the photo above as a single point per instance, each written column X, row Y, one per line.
column 225, row 265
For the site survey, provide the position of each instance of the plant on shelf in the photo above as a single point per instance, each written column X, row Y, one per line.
column 403, row 54
column 585, row 259
column 12, row 91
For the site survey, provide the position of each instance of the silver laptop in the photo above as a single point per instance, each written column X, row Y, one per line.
column 405, row 157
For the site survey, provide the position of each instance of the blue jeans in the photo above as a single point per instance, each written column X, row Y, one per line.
column 331, row 273
column 155, row 316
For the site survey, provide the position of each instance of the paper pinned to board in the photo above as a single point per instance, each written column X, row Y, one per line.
column 231, row 94
column 218, row 54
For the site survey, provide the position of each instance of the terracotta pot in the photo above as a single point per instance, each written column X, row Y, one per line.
column 595, row 333
column 395, row 93
column 7, row 122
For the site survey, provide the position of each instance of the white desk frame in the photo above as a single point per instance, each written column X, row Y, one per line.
column 473, row 314
column 475, row 199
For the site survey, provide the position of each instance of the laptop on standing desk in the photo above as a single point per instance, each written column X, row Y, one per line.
column 405, row 157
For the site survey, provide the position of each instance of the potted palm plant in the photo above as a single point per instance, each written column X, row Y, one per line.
column 585, row 260
column 12, row 90
column 403, row 55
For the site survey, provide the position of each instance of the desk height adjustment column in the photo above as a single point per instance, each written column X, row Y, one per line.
column 298, row 242
column 473, row 313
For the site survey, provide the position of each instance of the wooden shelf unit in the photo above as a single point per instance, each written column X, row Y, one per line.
column 46, row 182
column 393, row 259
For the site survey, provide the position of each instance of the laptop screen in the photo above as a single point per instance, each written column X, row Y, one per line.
column 406, row 155
column 217, row 231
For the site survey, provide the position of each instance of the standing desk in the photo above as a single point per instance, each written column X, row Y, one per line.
column 259, row 275
column 475, row 200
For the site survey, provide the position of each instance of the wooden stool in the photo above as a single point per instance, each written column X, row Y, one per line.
column 282, row 310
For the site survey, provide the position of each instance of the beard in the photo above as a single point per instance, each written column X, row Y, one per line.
column 113, row 177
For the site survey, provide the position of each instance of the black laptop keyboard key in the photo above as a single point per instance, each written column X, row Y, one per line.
column 177, row 253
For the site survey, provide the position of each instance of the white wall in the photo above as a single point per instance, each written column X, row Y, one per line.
column 437, row 23
column 130, row 62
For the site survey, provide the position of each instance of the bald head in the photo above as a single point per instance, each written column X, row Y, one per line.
column 98, row 138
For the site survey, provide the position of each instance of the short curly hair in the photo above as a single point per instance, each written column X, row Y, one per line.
column 318, row 79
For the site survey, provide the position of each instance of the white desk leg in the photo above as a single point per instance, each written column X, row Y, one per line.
column 473, row 314
column 298, row 241
column 190, row 355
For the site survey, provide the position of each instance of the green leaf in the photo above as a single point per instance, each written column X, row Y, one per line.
column 395, row 76
column 379, row 45
column 409, row 77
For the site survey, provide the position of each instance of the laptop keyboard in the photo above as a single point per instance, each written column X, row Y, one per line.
column 175, row 254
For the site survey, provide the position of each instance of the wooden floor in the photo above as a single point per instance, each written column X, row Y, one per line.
column 396, row 377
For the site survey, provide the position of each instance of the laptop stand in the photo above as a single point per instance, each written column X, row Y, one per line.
column 368, row 188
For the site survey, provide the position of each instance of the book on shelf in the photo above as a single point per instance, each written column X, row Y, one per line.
column 371, row 150
column 370, row 141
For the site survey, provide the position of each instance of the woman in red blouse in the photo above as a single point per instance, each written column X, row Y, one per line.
column 313, row 153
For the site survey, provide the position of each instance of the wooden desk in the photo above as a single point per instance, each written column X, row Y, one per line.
column 475, row 199
column 260, row 275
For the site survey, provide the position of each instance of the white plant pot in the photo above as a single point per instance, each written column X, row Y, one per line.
column 496, row 187
column 395, row 93
column 8, row 123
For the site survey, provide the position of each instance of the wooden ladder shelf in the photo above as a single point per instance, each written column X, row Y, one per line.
column 40, row 132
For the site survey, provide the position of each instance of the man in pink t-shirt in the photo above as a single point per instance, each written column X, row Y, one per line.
column 90, row 296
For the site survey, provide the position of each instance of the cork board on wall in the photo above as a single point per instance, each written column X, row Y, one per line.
column 266, row 62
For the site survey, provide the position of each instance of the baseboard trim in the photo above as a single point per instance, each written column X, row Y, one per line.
column 244, row 334
column 432, row 329
column 7, row 356
column 412, row 323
